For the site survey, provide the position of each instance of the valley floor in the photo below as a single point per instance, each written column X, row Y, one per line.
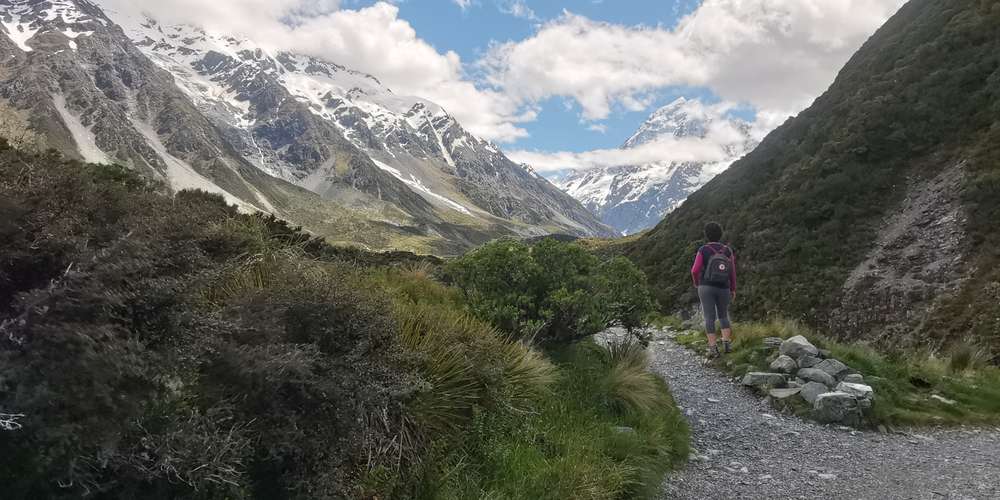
column 742, row 448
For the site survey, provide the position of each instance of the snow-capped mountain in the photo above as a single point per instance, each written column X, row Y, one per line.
column 634, row 198
column 308, row 140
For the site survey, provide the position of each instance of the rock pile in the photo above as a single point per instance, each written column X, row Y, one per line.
column 835, row 391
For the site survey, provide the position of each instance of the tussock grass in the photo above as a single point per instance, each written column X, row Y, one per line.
column 903, row 381
column 573, row 444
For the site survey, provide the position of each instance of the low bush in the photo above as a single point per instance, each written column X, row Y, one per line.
column 550, row 291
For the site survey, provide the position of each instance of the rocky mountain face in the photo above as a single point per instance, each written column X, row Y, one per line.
column 634, row 198
column 873, row 213
column 306, row 140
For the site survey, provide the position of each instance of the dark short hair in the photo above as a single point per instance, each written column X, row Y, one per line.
column 713, row 231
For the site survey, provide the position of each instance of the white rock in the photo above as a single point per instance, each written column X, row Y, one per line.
column 859, row 391
column 797, row 347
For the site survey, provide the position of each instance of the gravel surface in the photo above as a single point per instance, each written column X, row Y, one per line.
column 742, row 448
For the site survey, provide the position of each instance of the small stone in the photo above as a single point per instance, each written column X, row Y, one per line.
column 780, row 394
column 827, row 477
column 710, row 400
column 812, row 390
column 623, row 430
column 798, row 346
column 816, row 375
column 809, row 361
column 834, row 367
column 744, row 470
column 761, row 379
column 854, row 378
column 859, row 391
column 943, row 399
column 764, row 477
column 784, row 364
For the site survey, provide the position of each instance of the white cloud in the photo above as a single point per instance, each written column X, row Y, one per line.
column 517, row 8
column 372, row 39
column 463, row 4
column 721, row 133
column 776, row 55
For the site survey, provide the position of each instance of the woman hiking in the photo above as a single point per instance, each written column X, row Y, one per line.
column 714, row 275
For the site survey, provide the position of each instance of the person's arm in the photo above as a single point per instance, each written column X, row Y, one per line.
column 696, row 269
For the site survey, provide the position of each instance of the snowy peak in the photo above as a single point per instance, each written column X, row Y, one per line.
column 633, row 198
column 683, row 118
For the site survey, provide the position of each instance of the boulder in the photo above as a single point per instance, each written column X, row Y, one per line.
column 834, row 367
column 783, row 393
column 773, row 342
column 811, row 390
column 793, row 384
column 816, row 375
column 859, row 391
column 837, row 407
column 761, row 379
column 798, row 346
column 854, row 378
column 809, row 361
column 784, row 364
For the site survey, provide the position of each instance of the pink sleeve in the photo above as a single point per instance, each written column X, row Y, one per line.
column 696, row 269
column 732, row 275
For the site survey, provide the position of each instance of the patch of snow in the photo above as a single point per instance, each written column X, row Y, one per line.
column 83, row 136
column 182, row 176
column 419, row 186
column 18, row 32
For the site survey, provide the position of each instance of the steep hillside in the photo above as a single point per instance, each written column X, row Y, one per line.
column 873, row 213
column 636, row 197
column 303, row 139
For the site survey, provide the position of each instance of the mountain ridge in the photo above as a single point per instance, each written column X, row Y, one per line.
column 222, row 118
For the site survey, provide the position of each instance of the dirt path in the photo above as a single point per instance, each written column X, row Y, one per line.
column 741, row 448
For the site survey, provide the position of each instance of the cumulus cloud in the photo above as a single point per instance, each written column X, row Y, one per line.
column 721, row 136
column 776, row 55
column 372, row 39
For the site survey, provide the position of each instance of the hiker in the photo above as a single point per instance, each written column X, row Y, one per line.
column 714, row 275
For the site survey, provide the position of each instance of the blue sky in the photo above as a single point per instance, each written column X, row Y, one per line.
column 470, row 31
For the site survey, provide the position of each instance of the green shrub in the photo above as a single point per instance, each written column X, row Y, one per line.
column 552, row 291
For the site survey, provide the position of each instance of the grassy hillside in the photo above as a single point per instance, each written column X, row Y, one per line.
column 156, row 346
column 806, row 207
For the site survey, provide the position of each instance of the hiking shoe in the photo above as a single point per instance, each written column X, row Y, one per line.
column 727, row 347
column 713, row 352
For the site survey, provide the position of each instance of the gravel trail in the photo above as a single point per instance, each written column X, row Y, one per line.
column 742, row 448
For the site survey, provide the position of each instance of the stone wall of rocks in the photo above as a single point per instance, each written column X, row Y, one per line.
column 836, row 392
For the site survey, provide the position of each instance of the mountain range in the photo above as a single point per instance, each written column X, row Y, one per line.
column 305, row 139
column 634, row 198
